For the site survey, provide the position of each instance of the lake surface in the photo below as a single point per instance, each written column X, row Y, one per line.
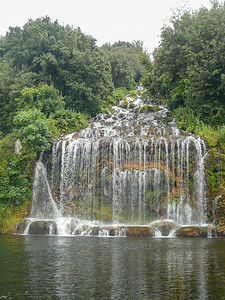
column 41, row 267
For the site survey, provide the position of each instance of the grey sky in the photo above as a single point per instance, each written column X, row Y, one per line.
column 105, row 20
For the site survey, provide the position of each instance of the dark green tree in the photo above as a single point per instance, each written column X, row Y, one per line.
column 56, row 55
column 43, row 97
column 125, row 63
column 189, row 65
column 34, row 130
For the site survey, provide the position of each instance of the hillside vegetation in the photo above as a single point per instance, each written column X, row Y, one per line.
column 188, row 74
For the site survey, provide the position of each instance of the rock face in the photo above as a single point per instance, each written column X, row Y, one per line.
column 20, row 227
column 220, row 232
column 18, row 146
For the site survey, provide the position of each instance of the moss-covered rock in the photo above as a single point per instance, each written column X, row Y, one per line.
column 148, row 109
column 131, row 105
column 124, row 104
column 220, row 231
column 11, row 222
column 21, row 226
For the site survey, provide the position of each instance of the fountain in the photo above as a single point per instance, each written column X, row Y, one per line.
column 130, row 168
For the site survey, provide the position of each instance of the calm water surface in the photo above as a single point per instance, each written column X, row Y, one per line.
column 111, row 268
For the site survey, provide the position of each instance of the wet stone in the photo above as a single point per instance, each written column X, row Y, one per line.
column 141, row 231
column 20, row 227
column 164, row 227
column 192, row 231
column 42, row 228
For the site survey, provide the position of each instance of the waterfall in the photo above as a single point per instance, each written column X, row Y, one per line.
column 131, row 165
column 43, row 204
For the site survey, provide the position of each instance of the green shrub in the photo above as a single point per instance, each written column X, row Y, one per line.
column 7, row 147
column 119, row 94
column 34, row 129
column 133, row 93
column 214, row 137
column 43, row 97
column 185, row 119
column 67, row 120
column 124, row 104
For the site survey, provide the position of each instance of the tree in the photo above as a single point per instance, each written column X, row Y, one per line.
column 122, row 72
column 34, row 129
column 62, row 57
column 43, row 97
column 125, row 63
column 189, row 65
column 7, row 106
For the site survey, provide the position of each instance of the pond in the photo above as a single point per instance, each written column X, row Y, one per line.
column 54, row 267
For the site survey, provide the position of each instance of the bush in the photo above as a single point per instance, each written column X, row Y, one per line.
column 119, row 94
column 186, row 119
column 43, row 97
column 67, row 120
column 34, row 130
column 214, row 137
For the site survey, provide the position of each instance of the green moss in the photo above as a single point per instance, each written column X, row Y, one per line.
column 10, row 218
column 118, row 95
column 132, row 105
column 133, row 93
column 105, row 111
column 148, row 109
column 124, row 104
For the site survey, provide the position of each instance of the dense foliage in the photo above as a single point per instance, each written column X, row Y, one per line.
column 15, row 176
column 188, row 73
column 58, row 67
column 125, row 64
column 189, row 65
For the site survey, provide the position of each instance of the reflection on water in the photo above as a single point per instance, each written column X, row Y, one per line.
column 111, row 268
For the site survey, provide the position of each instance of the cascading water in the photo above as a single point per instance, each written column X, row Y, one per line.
column 130, row 166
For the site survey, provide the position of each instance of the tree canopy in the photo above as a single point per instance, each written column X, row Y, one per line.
column 46, row 55
column 52, row 79
column 188, row 69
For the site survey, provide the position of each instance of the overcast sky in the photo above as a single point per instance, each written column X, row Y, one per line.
column 105, row 20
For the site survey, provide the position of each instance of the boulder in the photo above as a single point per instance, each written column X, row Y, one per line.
column 42, row 228
column 164, row 226
column 192, row 231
